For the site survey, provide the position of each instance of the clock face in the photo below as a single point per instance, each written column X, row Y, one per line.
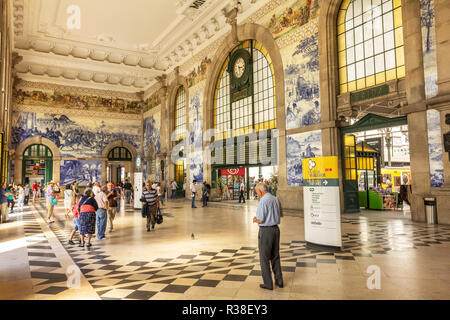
column 239, row 67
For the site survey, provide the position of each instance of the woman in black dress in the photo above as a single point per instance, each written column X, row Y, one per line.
column 87, row 208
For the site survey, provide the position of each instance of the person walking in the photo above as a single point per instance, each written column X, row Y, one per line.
column 96, row 188
column 204, row 195
column 75, row 187
column 120, row 197
column 87, row 208
column 159, row 193
column 128, row 190
column 241, row 191
column 11, row 202
column 174, row 187
column 4, row 194
column 184, row 188
column 20, row 198
column 35, row 191
column 51, row 198
column 268, row 217
column 150, row 205
column 27, row 194
column 193, row 192
column 102, row 216
column 112, row 197
column 76, row 223
column 68, row 200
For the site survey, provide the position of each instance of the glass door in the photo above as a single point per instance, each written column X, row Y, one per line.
column 350, row 182
column 179, row 178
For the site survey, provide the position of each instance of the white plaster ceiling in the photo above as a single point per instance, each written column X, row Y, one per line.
column 120, row 45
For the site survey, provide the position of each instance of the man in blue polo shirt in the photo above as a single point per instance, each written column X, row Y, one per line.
column 4, row 203
column 268, row 217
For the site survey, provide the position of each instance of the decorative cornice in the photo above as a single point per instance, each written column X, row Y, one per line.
column 29, row 85
column 79, row 113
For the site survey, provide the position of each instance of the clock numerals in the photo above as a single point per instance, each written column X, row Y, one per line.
column 239, row 67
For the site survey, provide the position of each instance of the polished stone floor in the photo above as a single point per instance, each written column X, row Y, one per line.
column 221, row 260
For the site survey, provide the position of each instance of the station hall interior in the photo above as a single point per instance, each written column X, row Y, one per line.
column 229, row 94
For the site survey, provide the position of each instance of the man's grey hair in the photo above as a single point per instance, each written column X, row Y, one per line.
column 262, row 187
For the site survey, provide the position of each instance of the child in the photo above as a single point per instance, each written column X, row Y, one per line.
column 76, row 225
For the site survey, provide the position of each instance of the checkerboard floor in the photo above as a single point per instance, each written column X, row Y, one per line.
column 226, row 270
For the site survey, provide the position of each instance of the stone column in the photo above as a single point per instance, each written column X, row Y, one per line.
column 18, row 168
column 442, row 18
column 442, row 101
column 416, row 110
column 56, row 169
column 104, row 177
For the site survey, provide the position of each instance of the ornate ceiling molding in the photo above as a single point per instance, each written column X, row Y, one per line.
column 44, row 86
column 79, row 113
column 90, row 52
column 198, row 24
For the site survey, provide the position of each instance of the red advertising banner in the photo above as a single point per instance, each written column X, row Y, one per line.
column 233, row 172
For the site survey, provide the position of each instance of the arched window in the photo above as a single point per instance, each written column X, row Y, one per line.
column 180, row 113
column 119, row 154
column 257, row 110
column 37, row 151
column 370, row 43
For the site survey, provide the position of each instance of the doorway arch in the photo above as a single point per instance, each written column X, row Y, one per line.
column 115, row 156
column 19, row 157
column 37, row 164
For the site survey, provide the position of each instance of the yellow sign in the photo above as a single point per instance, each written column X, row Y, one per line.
column 320, row 168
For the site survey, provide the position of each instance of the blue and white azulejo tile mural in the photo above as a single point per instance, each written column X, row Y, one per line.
column 301, row 77
column 83, row 171
column 195, row 120
column 298, row 147
column 427, row 19
column 152, row 133
column 435, row 148
column 75, row 136
column 196, row 166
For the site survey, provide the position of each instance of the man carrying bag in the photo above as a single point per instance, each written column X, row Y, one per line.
column 150, row 201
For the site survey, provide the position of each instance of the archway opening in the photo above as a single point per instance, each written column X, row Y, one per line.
column 376, row 162
column 118, row 167
column 37, row 164
column 245, row 121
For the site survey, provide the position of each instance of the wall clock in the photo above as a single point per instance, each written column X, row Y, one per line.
column 240, row 68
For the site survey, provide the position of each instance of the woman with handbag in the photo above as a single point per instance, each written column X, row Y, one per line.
column 51, row 201
column 87, row 208
column 150, row 205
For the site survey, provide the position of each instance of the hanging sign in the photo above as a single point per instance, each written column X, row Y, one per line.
column 321, row 201
column 138, row 162
column 233, row 172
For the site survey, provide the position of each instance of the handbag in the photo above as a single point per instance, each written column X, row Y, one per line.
column 159, row 218
column 53, row 201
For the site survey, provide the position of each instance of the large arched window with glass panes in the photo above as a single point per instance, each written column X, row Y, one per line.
column 370, row 43
column 256, row 111
column 180, row 113
column 180, row 131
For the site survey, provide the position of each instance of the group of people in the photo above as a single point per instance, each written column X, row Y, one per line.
column 206, row 192
column 242, row 188
column 97, row 206
column 9, row 194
